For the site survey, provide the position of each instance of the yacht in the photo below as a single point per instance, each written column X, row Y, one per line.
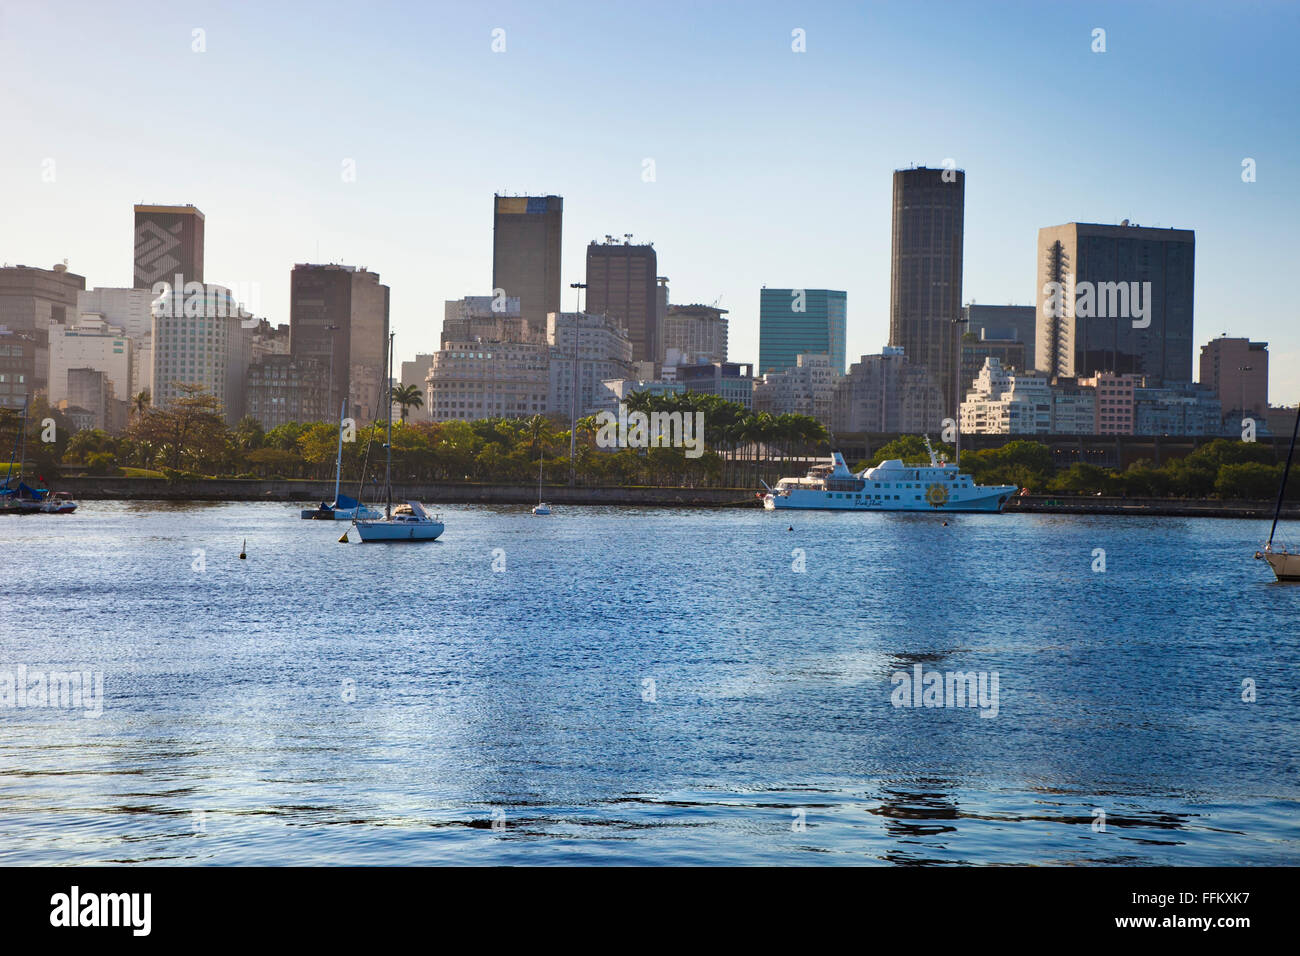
column 890, row 486
column 408, row 522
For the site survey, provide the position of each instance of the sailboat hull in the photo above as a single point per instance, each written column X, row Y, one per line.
column 377, row 531
column 1286, row 567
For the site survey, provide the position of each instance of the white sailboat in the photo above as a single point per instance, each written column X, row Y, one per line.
column 541, row 508
column 1285, row 564
column 408, row 522
column 343, row 508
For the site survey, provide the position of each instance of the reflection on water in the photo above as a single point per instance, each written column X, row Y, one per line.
column 646, row 686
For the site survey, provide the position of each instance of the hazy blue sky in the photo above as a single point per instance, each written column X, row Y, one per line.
column 772, row 167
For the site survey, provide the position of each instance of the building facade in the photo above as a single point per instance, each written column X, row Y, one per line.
column 526, row 234
column 1235, row 371
column 806, row 389
column 338, row 317
column 488, row 318
column 31, row 300
column 283, row 388
column 1003, row 402
column 1114, row 402
column 732, row 381
column 467, row 381
column 976, row 348
column 1017, row 323
column 699, row 331
column 90, row 343
column 792, row 322
column 1115, row 299
column 204, row 341
column 585, row 351
column 926, row 271
column 886, row 393
column 622, row 283
column 168, row 243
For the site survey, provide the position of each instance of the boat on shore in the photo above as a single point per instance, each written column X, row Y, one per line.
column 889, row 486
column 1284, row 562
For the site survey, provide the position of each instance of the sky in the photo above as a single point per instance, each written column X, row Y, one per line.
column 770, row 166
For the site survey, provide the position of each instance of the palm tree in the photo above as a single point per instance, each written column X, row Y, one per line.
column 141, row 401
column 407, row 396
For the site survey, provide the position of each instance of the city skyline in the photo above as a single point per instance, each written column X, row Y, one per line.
column 725, row 219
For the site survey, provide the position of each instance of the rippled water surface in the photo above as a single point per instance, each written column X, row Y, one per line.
column 646, row 686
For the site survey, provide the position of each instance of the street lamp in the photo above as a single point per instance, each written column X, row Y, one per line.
column 573, row 409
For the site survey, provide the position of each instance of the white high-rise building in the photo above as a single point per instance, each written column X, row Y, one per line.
column 1002, row 402
column 471, row 380
column 90, row 344
column 131, row 311
column 599, row 349
column 205, row 340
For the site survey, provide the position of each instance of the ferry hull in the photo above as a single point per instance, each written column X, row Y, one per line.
column 815, row 501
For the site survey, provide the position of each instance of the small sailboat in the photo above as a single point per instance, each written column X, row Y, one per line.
column 23, row 498
column 343, row 508
column 541, row 508
column 1285, row 564
column 408, row 522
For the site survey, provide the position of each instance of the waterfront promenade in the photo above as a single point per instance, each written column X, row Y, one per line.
column 93, row 488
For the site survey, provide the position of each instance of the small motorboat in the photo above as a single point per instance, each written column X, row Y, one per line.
column 59, row 503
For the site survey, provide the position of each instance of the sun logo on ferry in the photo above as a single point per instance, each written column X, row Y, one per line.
column 937, row 495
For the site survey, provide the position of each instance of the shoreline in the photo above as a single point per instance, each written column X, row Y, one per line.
column 309, row 492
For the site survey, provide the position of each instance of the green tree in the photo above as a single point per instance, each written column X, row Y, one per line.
column 408, row 397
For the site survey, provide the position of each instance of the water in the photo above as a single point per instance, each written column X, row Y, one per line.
column 518, row 696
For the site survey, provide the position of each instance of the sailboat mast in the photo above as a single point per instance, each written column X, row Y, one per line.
column 338, row 461
column 22, row 429
column 1281, row 491
column 388, row 467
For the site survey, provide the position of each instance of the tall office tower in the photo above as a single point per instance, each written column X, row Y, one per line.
column 526, row 253
column 31, row 300
column 1236, row 371
column 338, row 316
column 794, row 322
column 925, row 272
column 622, row 284
column 168, row 243
column 1115, row 299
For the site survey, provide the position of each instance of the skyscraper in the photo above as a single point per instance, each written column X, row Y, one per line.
column 1115, row 299
column 794, row 322
column 338, row 316
column 31, row 301
column 526, row 253
column 168, row 243
column 698, row 332
column 926, row 272
column 621, row 283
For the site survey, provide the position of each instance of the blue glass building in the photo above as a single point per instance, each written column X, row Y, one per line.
column 795, row 321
